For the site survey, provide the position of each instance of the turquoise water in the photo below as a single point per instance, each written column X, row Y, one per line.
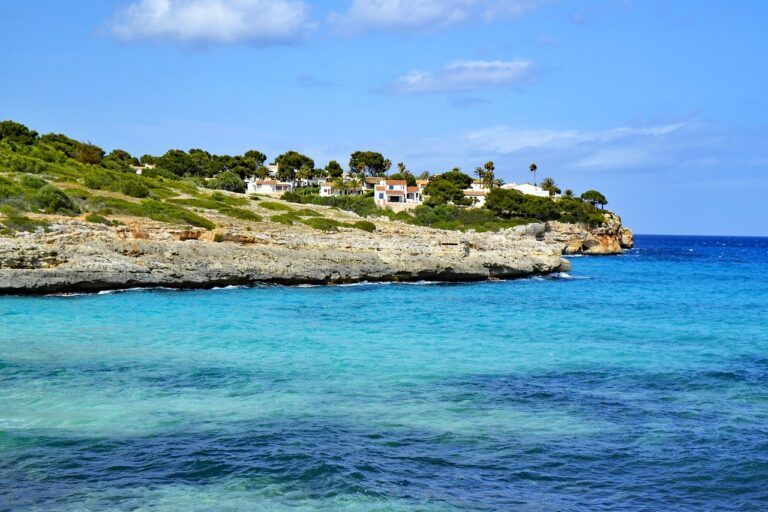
column 638, row 382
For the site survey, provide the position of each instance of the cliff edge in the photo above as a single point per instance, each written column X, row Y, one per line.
column 608, row 239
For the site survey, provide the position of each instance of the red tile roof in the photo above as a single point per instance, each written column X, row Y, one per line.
column 397, row 182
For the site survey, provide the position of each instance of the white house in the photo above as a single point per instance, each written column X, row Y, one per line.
column 139, row 169
column 256, row 186
column 528, row 189
column 397, row 193
column 477, row 196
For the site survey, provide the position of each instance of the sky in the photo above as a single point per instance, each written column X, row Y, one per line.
column 662, row 106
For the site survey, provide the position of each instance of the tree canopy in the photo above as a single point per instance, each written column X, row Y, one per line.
column 369, row 163
column 334, row 169
column 448, row 188
column 595, row 197
column 17, row 133
column 228, row 180
column 289, row 163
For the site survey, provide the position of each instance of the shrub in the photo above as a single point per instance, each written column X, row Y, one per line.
column 51, row 200
column 170, row 213
column 134, row 188
column 239, row 213
column 278, row 207
column 365, row 226
column 323, row 223
column 285, row 218
column 228, row 181
column 232, row 201
column 97, row 219
column 306, row 212
column 31, row 181
column 218, row 237
column 15, row 222
column 96, row 181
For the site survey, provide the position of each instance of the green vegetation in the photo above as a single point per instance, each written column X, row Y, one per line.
column 364, row 225
column 595, row 197
column 13, row 222
column 97, row 219
column 228, row 181
column 368, row 163
column 323, row 223
column 278, row 207
column 54, row 174
column 507, row 204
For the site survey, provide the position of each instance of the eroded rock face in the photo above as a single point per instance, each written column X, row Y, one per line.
column 611, row 238
column 79, row 256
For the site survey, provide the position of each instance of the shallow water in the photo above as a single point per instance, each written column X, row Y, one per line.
column 637, row 382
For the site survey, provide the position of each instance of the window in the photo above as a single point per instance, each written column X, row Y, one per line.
column 381, row 195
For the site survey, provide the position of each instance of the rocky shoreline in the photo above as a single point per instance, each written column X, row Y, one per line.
column 76, row 256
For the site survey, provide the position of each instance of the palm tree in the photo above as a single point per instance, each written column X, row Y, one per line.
column 568, row 192
column 490, row 176
column 356, row 183
column 401, row 168
column 305, row 174
column 533, row 168
column 549, row 185
column 480, row 173
column 424, row 175
column 340, row 184
column 498, row 182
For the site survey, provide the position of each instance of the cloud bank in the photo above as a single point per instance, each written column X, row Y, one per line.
column 258, row 22
column 463, row 76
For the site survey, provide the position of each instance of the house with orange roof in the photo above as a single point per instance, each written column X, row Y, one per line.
column 388, row 193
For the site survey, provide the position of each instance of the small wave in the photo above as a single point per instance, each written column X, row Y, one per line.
column 565, row 276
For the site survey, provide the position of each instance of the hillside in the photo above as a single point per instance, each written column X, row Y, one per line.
column 68, row 225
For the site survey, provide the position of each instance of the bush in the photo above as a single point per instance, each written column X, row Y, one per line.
column 285, row 218
column 323, row 223
column 239, row 213
column 52, row 200
column 228, row 181
column 278, row 207
column 306, row 212
column 134, row 189
column 97, row 219
column 365, row 226
column 15, row 222
column 232, row 201
column 33, row 182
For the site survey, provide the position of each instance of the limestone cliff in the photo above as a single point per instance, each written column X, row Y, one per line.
column 76, row 256
column 611, row 238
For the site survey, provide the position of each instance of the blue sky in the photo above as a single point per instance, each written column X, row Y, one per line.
column 660, row 105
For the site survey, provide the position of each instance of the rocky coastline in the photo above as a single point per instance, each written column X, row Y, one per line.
column 77, row 256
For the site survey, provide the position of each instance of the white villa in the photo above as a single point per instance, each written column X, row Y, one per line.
column 528, row 189
column 478, row 192
column 256, row 186
column 477, row 196
column 397, row 193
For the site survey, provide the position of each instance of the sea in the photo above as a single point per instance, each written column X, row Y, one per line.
column 632, row 383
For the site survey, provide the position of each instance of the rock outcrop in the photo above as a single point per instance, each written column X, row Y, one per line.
column 611, row 238
column 76, row 256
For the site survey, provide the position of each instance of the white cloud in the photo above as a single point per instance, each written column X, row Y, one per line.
column 395, row 14
column 502, row 139
column 260, row 22
column 465, row 75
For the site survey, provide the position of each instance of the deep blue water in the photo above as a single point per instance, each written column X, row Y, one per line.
column 639, row 382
